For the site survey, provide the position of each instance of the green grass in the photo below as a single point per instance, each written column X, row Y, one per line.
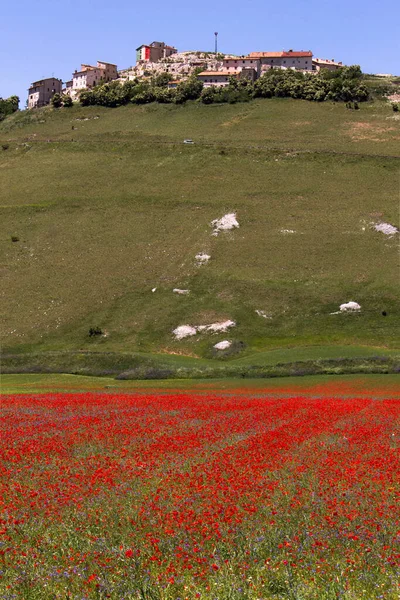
column 125, row 206
column 49, row 383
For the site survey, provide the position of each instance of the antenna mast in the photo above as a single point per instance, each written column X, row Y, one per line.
column 216, row 42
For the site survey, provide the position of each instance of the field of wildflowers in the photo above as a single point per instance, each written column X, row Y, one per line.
column 206, row 495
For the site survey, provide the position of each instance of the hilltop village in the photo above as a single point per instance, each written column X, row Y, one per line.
column 211, row 68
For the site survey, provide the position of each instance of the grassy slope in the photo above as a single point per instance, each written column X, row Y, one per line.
column 126, row 206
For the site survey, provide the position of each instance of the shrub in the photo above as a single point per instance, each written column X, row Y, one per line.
column 14, row 238
column 395, row 107
column 342, row 85
column 56, row 101
column 94, row 331
column 162, row 80
column 5, row 146
column 8, row 106
column 67, row 101
column 208, row 95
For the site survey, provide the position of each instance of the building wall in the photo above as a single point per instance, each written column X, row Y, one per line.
column 109, row 71
column 41, row 92
column 289, row 62
column 330, row 65
column 237, row 64
column 87, row 78
column 216, row 80
column 154, row 52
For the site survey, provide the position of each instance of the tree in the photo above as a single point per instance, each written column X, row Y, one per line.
column 67, row 100
column 208, row 95
column 56, row 101
column 8, row 106
column 162, row 80
column 14, row 103
column 190, row 89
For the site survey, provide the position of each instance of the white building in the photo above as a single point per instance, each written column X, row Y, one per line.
column 90, row 76
column 292, row 59
column 237, row 64
column 216, row 78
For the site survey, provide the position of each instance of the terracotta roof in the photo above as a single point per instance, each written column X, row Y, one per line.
column 214, row 73
column 282, row 54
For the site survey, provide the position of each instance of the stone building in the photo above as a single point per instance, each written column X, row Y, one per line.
column 154, row 52
column 292, row 59
column 90, row 76
column 41, row 92
column 237, row 64
column 216, row 78
column 325, row 63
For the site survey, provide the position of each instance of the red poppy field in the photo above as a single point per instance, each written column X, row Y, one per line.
column 206, row 495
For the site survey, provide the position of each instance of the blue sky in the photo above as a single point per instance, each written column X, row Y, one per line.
column 52, row 37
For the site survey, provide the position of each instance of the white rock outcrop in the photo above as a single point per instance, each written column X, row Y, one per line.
column 224, row 345
column 386, row 228
column 225, row 223
column 350, row 307
column 202, row 258
column 184, row 331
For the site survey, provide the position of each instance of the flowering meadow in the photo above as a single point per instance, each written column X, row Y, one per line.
column 212, row 496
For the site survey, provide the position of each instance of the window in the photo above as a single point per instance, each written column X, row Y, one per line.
column 306, row 62
column 272, row 60
column 284, row 62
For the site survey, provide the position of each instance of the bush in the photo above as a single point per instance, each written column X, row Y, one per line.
column 208, row 95
column 141, row 92
column 5, row 146
column 341, row 85
column 8, row 106
column 344, row 84
column 162, row 80
column 395, row 107
column 56, row 101
column 67, row 101
column 94, row 331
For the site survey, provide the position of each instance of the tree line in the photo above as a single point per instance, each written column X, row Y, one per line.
column 8, row 106
column 343, row 85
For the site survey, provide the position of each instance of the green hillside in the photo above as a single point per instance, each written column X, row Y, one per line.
column 105, row 205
